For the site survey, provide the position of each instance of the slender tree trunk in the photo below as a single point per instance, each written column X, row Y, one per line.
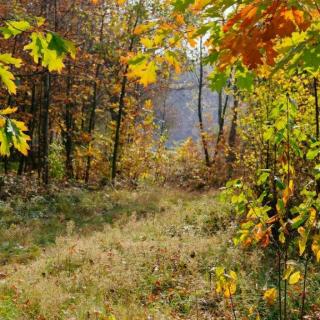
column 92, row 118
column 45, row 127
column 222, row 108
column 22, row 158
column 39, row 129
column 315, row 88
column 232, row 138
column 202, row 131
column 45, row 112
column 68, row 137
column 121, row 107
column 32, row 127
column 163, row 117
column 92, row 121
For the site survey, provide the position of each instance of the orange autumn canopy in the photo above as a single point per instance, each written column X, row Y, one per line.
column 251, row 33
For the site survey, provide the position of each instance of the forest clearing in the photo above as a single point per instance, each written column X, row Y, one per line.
column 159, row 159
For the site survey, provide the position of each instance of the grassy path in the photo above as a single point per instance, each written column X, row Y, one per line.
column 152, row 262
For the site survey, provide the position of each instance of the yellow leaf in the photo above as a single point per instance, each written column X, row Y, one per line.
column 141, row 28
column 219, row 271
column 270, row 296
column 316, row 247
column 302, row 240
column 294, row 278
column 148, row 104
column 287, row 273
column 8, row 111
column 147, row 42
column 145, row 72
column 230, row 289
column 21, row 125
column 233, row 275
column 199, row 4
column 158, row 39
column 7, row 78
column 312, row 217
column 282, row 238
column 40, row 21
column 172, row 60
column 218, row 287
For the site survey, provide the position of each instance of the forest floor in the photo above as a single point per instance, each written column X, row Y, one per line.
column 145, row 254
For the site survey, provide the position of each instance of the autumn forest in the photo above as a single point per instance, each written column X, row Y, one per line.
column 159, row 159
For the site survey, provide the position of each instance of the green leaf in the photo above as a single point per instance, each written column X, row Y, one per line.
column 279, row 136
column 263, row 178
column 287, row 57
column 279, row 184
column 60, row 45
column 51, row 49
column 298, row 221
column 182, row 5
column 268, row 134
column 245, row 81
column 137, row 59
column 14, row 28
column 211, row 58
column 311, row 154
column 218, row 81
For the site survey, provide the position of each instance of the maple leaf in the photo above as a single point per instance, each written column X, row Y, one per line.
column 144, row 71
column 253, row 32
column 148, row 43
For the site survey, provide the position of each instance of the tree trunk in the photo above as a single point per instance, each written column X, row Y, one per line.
column 222, row 108
column 201, row 126
column 92, row 121
column 32, row 126
column 68, row 136
column 92, row 118
column 45, row 128
column 121, row 107
column 232, row 138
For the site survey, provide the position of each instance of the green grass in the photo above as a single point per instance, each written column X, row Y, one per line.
column 145, row 254
column 28, row 226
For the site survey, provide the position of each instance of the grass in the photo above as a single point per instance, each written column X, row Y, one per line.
column 27, row 226
column 146, row 254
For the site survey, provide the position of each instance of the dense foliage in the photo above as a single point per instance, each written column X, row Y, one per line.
column 79, row 87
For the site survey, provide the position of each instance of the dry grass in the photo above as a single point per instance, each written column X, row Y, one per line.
column 147, row 266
